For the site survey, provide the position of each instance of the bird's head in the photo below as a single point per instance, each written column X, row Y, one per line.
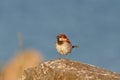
column 62, row 38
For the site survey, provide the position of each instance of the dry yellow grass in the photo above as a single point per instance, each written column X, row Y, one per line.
column 24, row 59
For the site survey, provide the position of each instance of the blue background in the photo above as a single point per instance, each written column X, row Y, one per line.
column 93, row 25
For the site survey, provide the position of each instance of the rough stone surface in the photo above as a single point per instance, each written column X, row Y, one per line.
column 65, row 69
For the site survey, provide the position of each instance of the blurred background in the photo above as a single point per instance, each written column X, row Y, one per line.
column 93, row 25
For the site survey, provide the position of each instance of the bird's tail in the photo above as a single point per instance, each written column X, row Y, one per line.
column 74, row 46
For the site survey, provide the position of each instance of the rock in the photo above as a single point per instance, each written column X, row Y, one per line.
column 65, row 69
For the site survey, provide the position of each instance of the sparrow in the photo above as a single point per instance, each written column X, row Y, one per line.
column 63, row 44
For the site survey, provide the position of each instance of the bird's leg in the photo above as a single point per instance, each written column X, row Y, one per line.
column 66, row 56
column 59, row 56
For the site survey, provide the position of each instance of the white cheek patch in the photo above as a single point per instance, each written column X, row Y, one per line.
column 61, row 39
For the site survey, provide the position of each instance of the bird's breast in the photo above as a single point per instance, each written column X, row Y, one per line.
column 64, row 48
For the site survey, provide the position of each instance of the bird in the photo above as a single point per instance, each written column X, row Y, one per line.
column 63, row 44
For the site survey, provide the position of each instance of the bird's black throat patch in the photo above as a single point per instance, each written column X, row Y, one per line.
column 59, row 42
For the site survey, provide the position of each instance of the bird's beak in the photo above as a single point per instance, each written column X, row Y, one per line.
column 57, row 37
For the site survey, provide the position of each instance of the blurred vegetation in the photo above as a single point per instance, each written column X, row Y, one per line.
column 24, row 58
